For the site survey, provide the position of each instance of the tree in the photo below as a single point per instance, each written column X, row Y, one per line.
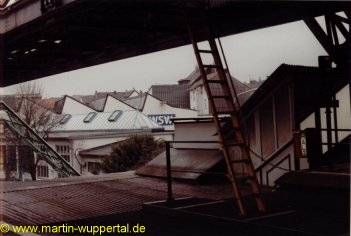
column 38, row 117
column 132, row 152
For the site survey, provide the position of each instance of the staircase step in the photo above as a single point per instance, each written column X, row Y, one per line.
column 210, row 66
column 232, row 143
column 255, row 195
column 215, row 81
column 245, row 178
column 227, row 113
column 205, row 51
column 240, row 161
column 222, row 96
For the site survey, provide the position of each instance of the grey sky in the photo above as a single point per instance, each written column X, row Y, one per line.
column 250, row 55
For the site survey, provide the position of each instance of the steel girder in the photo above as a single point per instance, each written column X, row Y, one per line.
column 28, row 136
column 336, row 26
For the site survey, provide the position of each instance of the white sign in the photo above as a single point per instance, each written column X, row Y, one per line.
column 162, row 119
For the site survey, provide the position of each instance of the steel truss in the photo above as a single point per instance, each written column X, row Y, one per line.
column 330, row 40
column 28, row 136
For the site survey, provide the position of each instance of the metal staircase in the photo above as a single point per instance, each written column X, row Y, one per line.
column 27, row 135
column 224, row 107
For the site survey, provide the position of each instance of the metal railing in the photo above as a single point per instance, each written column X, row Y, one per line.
column 276, row 166
column 266, row 162
column 337, row 131
column 272, row 157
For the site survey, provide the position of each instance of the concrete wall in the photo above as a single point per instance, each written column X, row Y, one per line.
column 195, row 131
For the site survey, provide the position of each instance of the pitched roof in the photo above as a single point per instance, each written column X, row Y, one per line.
column 137, row 102
column 196, row 80
column 175, row 95
column 100, row 104
column 101, row 95
column 129, row 120
column 48, row 103
column 240, row 87
column 198, row 160
column 195, row 74
column 276, row 77
column 11, row 100
column 103, row 150
column 255, row 83
column 59, row 104
column 118, row 95
column 309, row 84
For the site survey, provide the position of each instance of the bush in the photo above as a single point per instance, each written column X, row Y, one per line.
column 131, row 153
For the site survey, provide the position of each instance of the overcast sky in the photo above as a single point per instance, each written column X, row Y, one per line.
column 250, row 55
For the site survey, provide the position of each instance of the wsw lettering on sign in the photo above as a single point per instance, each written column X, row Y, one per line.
column 162, row 119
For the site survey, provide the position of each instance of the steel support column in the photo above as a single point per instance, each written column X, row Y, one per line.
column 2, row 60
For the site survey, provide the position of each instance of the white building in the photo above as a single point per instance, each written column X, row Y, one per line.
column 198, row 96
column 78, row 132
column 158, row 110
column 284, row 104
column 70, row 105
column 109, row 104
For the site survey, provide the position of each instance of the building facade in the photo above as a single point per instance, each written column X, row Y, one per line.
column 283, row 106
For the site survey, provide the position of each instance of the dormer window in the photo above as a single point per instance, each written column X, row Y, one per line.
column 65, row 119
column 114, row 116
column 89, row 117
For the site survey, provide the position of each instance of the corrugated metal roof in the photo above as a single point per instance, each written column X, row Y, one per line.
column 68, row 199
column 103, row 150
column 197, row 161
column 129, row 120
column 173, row 94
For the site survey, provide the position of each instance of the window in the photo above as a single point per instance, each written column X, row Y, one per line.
column 114, row 116
column 65, row 119
column 89, row 117
column 43, row 171
column 64, row 151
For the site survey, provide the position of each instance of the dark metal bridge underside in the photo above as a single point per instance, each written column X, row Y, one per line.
column 86, row 33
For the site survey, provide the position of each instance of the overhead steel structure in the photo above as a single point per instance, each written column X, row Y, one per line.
column 45, row 37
